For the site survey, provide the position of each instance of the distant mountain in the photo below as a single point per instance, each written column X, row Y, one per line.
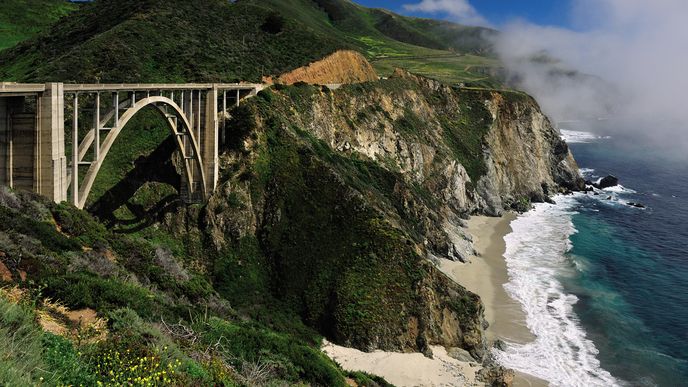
column 215, row 40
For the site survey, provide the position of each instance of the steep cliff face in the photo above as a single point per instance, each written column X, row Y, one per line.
column 466, row 151
column 343, row 195
column 525, row 156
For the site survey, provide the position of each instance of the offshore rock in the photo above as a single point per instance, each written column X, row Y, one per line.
column 606, row 182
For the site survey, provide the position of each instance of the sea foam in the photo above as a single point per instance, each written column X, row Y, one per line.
column 577, row 136
column 536, row 258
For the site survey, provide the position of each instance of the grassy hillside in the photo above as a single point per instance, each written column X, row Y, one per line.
column 215, row 40
column 438, row 49
column 159, row 320
column 22, row 19
column 160, row 40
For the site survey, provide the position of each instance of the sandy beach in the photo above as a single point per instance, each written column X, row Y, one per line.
column 407, row 369
column 484, row 275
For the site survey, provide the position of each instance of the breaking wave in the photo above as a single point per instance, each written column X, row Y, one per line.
column 536, row 257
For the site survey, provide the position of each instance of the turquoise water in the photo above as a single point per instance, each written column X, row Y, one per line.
column 633, row 288
column 604, row 284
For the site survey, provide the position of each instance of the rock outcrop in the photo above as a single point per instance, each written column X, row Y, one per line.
column 346, row 193
column 337, row 68
column 606, row 182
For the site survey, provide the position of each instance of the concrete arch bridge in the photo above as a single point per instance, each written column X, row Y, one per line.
column 34, row 136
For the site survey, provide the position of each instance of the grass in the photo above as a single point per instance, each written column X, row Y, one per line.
column 447, row 67
column 221, row 41
column 255, row 38
column 21, row 20
column 20, row 353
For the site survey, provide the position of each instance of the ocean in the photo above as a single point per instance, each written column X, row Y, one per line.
column 604, row 284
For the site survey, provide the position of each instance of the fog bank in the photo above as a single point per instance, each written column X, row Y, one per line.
column 630, row 59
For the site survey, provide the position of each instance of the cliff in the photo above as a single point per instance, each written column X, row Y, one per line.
column 349, row 191
column 460, row 151
column 330, row 209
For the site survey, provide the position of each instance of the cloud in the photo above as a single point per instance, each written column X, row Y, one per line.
column 458, row 10
column 634, row 48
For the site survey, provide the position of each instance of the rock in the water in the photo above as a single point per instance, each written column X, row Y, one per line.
column 500, row 345
column 606, row 182
column 637, row 205
column 460, row 354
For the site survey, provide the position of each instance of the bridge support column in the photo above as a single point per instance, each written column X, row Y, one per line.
column 209, row 141
column 51, row 178
column 6, row 139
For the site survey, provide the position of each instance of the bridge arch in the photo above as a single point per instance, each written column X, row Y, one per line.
column 178, row 123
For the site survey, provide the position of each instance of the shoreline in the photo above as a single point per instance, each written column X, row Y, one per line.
column 484, row 275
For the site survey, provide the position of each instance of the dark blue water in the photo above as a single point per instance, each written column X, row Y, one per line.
column 633, row 282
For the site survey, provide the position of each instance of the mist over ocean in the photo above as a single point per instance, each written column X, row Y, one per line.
column 604, row 283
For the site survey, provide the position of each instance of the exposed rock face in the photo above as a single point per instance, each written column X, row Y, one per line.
column 347, row 192
column 526, row 157
column 416, row 126
column 340, row 67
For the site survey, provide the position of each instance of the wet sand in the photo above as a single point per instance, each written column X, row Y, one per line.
column 486, row 275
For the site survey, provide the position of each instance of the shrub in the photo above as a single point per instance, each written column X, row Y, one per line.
column 65, row 362
column 274, row 24
column 20, row 352
column 84, row 290
column 255, row 350
column 115, row 368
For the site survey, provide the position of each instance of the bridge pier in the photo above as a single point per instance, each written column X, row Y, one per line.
column 51, row 160
column 209, row 140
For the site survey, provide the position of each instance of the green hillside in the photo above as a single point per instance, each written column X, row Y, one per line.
column 20, row 20
column 438, row 49
column 215, row 40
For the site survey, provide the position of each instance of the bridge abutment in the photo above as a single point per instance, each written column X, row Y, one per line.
column 32, row 146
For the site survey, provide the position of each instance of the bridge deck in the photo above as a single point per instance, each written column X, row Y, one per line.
column 7, row 88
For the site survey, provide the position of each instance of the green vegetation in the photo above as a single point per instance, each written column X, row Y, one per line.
column 438, row 49
column 464, row 132
column 96, row 275
column 121, row 41
column 366, row 266
column 468, row 69
column 21, row 20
